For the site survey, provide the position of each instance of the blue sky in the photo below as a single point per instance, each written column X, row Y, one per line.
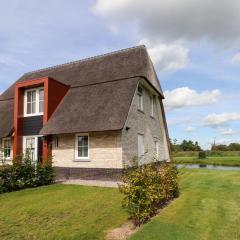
column 194, row 46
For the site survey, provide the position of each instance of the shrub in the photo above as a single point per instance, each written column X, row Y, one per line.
column 202, row 155
column 25, row 174
column 147, row 188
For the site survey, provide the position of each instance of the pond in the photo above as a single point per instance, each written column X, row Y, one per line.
column 213, row 167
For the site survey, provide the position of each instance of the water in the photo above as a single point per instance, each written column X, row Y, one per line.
column 212, row 167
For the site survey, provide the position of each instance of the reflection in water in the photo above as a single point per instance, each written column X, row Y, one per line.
column 207, row 166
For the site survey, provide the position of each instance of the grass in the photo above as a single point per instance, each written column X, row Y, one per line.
column 213, row 160
column 60, row 212
column 208, row 208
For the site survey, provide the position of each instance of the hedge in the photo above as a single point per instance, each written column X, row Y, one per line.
column 147, row 188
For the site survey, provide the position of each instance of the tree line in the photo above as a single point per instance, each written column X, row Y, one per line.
column 189, row 145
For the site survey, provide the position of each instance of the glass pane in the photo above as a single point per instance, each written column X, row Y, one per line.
column 33, row 96
column 29, row 108
column 80, row 152
column 41, row 106
column 29, row 96
column 41, row 95
column 85, row 151
column 33, row 107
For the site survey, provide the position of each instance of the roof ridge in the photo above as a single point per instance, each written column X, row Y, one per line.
column 86, row 59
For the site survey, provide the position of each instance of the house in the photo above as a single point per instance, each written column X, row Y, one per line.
column 93, row 116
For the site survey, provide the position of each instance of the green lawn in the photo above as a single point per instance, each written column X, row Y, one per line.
column 208, row 208
column 218, row 160
column 60, row 212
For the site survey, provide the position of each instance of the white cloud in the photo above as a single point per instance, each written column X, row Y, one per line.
column 215, row 120
column 172, row 20
column 226, row 141
column 236, row 58
column 186, row 97
column 228, row 131
column 189, row 129
column 167, row 56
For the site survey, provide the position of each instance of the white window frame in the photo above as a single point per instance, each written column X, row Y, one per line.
column 156, row 148
column 37, row 113
column 76, row 147
column 140, row 98
column 152, row 106
column 36, row 145
column 143, row 145
column 6, row 139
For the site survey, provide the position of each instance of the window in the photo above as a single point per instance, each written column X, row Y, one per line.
column 140, row 145
column 34, row 102
column 6, row 148
column 41, row 100
column 156, row 148
column 82, row 146
column 30, row 147
column 152, row 100
column 140, row 98
column 31, row 102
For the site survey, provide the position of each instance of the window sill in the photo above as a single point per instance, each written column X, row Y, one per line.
column 141, row 111
column 82, row 160
column 33, row 115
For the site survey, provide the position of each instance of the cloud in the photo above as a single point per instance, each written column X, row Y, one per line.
column 228, row 131
column 171, row 20
column 215, row 120
column 186, row 97
column 167, row 56
column 189, row 129
column 236, row 58
column 226, row 141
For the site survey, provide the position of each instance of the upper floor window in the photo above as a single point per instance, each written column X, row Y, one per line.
column 34, row 102
column 140, row 98
column 6, row 148
column 152, row 100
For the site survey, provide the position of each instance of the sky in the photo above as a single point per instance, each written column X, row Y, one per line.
column 194, row 46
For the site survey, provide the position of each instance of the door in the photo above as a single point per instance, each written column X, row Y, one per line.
column 40, row 149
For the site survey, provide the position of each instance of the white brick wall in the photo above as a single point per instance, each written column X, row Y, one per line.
column 142, row 123
column 105, row 151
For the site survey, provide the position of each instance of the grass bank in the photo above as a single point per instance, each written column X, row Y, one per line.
column 208, row 208
column 213, row 160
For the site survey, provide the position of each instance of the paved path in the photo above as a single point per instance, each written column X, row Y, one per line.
column 96, row 183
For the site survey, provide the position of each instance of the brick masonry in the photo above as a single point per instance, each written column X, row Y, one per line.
column 142, row 123
column 105, row 151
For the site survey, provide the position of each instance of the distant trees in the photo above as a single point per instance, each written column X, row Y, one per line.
column 224, row 147
column 185, row 145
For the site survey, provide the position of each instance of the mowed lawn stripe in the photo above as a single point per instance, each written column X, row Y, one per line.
column 60, row 212
column 208, row 208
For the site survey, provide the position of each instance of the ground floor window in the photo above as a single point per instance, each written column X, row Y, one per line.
column 6, row 148
column 156, row 148
column 32, row 145
column 82, row 146
column 140, row 145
